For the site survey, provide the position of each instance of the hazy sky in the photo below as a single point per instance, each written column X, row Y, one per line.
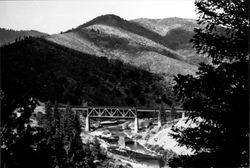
column 55, row 16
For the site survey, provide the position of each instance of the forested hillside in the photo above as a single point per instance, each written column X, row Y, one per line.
column 37, row 68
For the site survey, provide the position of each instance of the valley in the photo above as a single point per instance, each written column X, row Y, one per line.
column 107, row 61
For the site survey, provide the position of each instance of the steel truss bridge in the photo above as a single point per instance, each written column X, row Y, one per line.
column 118, row 112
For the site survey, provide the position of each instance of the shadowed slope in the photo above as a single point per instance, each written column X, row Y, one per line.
column 37, row 68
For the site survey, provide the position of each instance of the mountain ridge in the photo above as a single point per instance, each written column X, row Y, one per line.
column 163, row 25
column 116, row 21
column 10, row 35
column 115, row 38
column 177, row 33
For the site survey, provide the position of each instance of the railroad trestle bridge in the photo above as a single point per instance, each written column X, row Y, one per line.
column 119, row 113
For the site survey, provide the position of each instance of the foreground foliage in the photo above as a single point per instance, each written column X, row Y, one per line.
column 56, row 142
column 62, row 137
column 217, row 98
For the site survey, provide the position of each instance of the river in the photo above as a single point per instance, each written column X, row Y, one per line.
column 132, row 150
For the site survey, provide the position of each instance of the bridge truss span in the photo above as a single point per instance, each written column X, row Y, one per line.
column 112, row 112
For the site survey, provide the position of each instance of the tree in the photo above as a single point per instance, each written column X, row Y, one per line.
column 63, row 140
column 217, row 97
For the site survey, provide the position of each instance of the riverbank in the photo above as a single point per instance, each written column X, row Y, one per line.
column 155, row 136
column 150, row 142
column 141, row 142
column 136, row 158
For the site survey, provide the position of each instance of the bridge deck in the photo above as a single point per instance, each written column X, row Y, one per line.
column 117, row 112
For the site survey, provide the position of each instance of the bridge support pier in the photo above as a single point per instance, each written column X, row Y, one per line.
column 121, row 141
column 87, row 124
column 136, row 125
column 182, row 114
column 159, row 123
column 159, row 119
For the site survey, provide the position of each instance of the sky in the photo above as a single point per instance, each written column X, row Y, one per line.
column 56, row 16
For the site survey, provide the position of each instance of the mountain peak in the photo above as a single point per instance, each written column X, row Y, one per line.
column 110, row 16
column 109, row 19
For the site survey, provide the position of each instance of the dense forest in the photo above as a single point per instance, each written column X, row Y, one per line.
column 47, row 71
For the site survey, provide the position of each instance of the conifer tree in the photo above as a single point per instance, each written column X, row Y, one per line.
column 48, row 117
column 217, row 97
column 64, row 143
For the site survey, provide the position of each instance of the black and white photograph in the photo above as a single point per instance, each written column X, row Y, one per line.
column 124, row 83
